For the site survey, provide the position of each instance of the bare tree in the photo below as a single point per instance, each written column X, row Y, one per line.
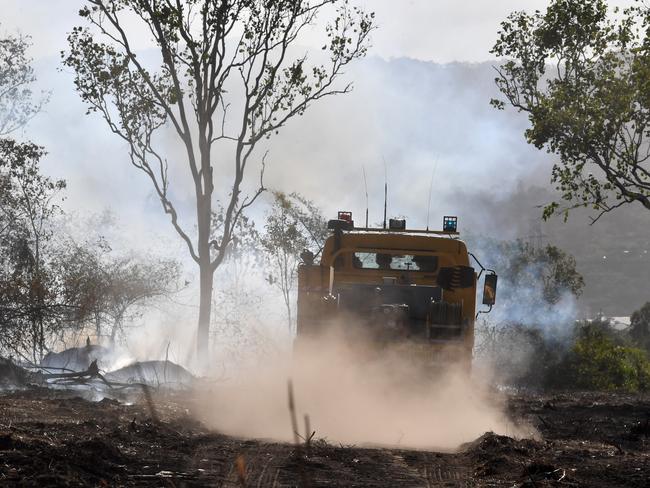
column 27, row 287
column 213, row 55
column 136, row 283
column 105, row 291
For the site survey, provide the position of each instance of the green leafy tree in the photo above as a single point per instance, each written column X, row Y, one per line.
column 583, row 78
column 227, row 79
column 293, row 225
column 640, row 326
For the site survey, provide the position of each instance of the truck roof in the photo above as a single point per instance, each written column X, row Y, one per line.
column 392, row 240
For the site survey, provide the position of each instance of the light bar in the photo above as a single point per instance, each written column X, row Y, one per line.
column 397, row 224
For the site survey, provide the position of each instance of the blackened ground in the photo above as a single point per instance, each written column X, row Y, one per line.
column 50, row 438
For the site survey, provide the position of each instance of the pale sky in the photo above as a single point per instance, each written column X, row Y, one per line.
column 442, row 120
column 429, row 30
column 433, row 120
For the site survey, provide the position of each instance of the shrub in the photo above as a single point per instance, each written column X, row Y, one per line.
column 597, row 362
column 640, row 327
column 592, row 356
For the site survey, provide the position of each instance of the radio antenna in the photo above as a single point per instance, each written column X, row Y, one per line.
column 433, row 172
column 385, row 190
column 365, row 184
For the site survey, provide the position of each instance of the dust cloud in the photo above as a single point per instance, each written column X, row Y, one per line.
column 358, row 396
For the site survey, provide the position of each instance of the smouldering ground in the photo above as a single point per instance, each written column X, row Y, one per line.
column 50, row 438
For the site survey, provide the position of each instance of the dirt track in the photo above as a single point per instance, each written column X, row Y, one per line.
column 56, row 439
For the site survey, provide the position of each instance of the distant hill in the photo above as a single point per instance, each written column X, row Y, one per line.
column 613, row 254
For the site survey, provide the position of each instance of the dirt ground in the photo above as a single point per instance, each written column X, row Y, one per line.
column 55, row 438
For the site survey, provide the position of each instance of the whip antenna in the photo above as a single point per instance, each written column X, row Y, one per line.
column 385, row 190
column 435, row 165
column 365, row 184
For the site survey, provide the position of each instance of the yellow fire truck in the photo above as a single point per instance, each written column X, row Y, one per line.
column 402, row 286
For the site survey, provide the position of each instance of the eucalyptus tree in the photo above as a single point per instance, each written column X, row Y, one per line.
column 582, row 75
column 227, row 75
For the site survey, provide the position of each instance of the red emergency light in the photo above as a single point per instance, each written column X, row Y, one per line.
column 347, row 216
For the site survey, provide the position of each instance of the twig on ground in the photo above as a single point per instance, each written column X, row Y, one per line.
column 240, row 466
column 304, row 482
column 292, row 412
column 546, row 424
column 308, row 436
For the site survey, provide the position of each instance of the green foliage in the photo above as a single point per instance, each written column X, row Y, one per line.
column 583, row 79
column 294, row 224
column 640, row 327
column 219, row 62
column 592, row 356
column 597, row 362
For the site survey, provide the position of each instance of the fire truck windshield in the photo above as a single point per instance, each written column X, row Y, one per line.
column 398, row 262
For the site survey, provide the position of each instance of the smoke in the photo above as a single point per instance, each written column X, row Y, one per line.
column 538, row 284
column 417, row 115
column 356, row 394
column 535, row 312
column 524, row 303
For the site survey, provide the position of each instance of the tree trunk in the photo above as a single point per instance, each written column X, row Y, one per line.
column 290, row 318
column 287, row 303
column 117, row 324
column 205, row 310
column 206, row 275
column 98, row 327
column 41, row 337
column 204, row 191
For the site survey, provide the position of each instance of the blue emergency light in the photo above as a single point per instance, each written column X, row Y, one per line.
column 449, row 223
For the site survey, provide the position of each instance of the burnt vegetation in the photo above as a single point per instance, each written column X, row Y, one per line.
column 54, row 286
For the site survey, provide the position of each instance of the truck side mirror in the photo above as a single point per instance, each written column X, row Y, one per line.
column 490, row 290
